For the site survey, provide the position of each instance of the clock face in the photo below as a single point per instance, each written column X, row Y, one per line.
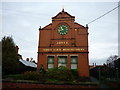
column 63, row 29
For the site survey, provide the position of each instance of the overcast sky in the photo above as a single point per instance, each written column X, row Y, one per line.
column 21, row 20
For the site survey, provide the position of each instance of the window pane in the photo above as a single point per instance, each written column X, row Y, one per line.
column 50, row 66
column 61, row 65
column 62, row 61
column 50, row 62
column 50, row 59
column 74, row 61
column 73, row 66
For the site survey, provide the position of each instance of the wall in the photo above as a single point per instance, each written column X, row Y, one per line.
column 74, row 42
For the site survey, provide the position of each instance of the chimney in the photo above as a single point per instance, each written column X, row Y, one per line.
column 17, row 49
column 40, row 28
column 87, row 26
column 27, row 59
column 95, row 64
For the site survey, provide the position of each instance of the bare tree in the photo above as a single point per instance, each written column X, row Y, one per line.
column 111, row 59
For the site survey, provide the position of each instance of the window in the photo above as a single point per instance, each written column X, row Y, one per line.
column 50, row 62
column 74, row 62
column 62, row 61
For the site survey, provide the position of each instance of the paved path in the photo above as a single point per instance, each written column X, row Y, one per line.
column 94, row 80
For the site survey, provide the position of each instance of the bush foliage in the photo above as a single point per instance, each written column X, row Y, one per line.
column 61, row 74
column 33, row 76
column 55, row 75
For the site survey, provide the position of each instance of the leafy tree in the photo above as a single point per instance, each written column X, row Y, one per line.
column 10, row 62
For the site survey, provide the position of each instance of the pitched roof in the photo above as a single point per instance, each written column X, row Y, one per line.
column 28, row 63
column 79, row 25
column 63, row 14
column 49, row 26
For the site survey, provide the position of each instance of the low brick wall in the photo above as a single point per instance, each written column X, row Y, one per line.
column 6, row 85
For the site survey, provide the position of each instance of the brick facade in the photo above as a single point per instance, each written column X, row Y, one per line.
column 72, row 44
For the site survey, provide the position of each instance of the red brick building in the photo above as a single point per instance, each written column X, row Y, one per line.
column 64, row 43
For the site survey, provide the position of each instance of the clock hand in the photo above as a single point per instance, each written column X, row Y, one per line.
column 61, row 28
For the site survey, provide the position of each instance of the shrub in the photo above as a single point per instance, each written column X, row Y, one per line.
column 74, row 73
column 60, row 73
column 84, row 79
column 33, row 76
column 13, row 76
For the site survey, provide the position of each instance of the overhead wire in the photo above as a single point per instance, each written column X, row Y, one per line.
column 103, row 14
column 88, row 23
column 28, row 13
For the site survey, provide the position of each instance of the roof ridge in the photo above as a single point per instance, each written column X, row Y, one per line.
column 47, row 25
column 63, row 12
